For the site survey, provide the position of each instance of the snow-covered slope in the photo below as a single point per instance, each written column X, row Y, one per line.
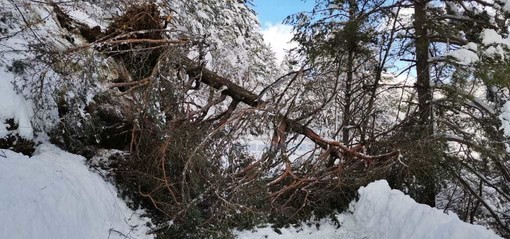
column 382, row 213
column 54, row 195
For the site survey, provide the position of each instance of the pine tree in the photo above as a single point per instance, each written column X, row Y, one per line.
column 345, row 47
column 447, row 108
column 448, row 38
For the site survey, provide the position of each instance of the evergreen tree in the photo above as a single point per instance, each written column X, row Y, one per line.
column 448, row 37
column 348, row 53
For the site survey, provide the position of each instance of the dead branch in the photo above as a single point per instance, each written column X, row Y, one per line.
column 121, row 84
column 240, row 94
column 158, row 42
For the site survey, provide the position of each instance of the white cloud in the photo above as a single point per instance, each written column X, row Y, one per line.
column 279, row 37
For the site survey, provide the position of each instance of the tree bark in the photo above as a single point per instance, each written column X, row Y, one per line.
column 422, row 68
column 238, row 93
column 351, row 48
column 423, row 88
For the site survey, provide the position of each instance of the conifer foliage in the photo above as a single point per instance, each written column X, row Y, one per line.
column 167, row 99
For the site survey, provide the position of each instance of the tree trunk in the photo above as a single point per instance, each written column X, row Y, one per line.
column 351, row 48
column 422, row 68
column 423, row 88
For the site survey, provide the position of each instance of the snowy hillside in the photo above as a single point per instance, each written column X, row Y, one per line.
column 53, row 194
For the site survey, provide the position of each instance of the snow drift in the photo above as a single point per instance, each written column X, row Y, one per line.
column 54, row 195
column 388, row 213
column 382, row 213
column 14, row 106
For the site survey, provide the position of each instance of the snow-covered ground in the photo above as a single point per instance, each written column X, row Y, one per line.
column 380, row 213
column 53, row 195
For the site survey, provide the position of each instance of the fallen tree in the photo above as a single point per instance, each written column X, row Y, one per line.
column 174, row 165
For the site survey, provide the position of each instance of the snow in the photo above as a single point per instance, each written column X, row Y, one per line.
column 83, row 18
column 494, row 43
column 454, row 8
column 495, row 52
column 388, row 213
column 322, row 229
column 490, row 36
column 471, row 46
column 14, row 48
column 54, row 195
column 13, row 105
column 466, row 55
column 505, row 118
column 506, row 5
column 382, row 213
column 493, row 46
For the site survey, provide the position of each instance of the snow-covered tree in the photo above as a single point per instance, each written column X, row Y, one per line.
column 165, row 97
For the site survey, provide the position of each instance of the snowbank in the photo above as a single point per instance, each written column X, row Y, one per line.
column 14, row 106
column 388, row 213
column 54, row 195
column 383, row 213
column 323, row 229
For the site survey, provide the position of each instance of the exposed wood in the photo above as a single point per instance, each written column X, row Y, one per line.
column 238, row 93
column 229, row 88
column 218, row 82
column 157, row 42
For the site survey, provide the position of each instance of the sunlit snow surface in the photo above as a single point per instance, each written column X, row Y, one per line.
column 382, row 213
column 505, row 118
column 14, row 106
column 53, row 195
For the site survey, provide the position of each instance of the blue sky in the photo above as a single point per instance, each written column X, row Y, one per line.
column 271, row 14
column 274, row 11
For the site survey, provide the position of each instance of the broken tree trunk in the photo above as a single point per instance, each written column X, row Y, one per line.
column 240, row 94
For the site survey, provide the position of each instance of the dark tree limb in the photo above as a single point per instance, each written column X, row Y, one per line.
column 239, row 94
